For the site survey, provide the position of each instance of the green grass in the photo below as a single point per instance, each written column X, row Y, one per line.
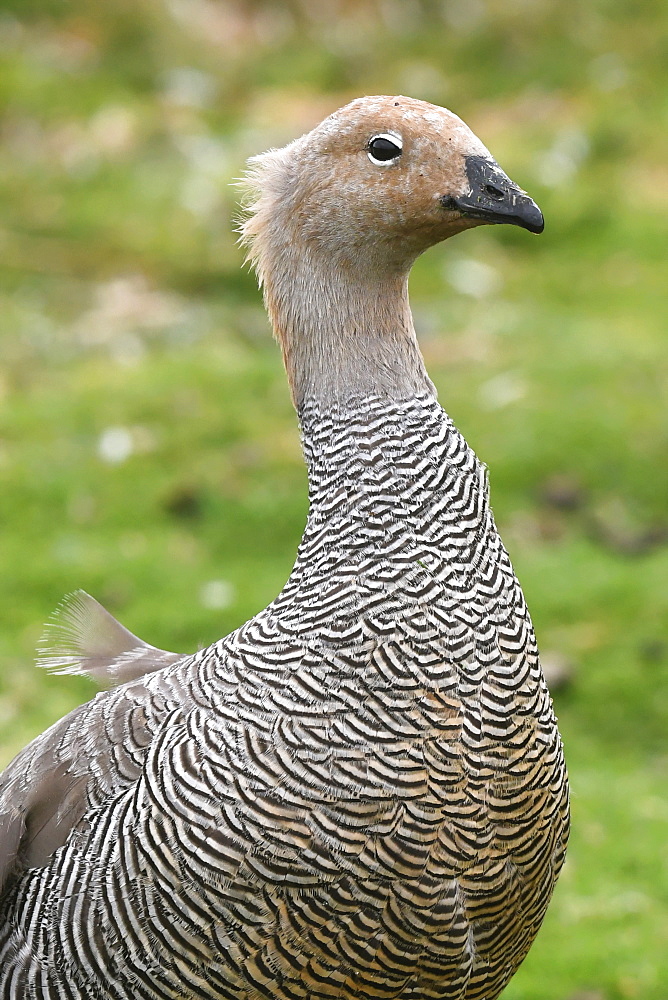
column 128, row 321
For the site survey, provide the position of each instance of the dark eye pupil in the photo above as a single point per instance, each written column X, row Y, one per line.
column 383, row 149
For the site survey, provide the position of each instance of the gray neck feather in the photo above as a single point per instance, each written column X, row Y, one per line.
column 336, row 292
column 343, row 332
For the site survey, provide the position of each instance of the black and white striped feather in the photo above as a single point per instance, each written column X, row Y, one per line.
column 359, row 793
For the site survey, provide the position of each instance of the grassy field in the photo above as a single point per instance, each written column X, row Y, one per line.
column 148, row 450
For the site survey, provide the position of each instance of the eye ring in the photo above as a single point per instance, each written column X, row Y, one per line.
column 384, row 148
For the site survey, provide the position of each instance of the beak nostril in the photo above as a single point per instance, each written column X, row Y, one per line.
column 494, row 192
column 493, row 197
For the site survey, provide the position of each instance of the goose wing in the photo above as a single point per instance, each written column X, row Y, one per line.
column 97, row 748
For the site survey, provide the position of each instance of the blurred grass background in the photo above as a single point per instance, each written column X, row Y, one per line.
column 148, row 450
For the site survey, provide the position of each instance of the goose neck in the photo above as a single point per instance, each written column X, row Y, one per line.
column 345, row 331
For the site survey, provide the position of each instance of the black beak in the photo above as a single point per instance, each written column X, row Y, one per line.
column 494, row 198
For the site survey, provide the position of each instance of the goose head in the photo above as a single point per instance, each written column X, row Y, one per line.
column 334, row 222
column 380, row 181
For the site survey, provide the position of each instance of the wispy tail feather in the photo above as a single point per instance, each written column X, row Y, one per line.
column 83, row 638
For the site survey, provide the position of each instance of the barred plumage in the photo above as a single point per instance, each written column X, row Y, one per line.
column 358, row 793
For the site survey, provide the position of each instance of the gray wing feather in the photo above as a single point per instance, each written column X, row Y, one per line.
column 46, row 790
column 42, row 797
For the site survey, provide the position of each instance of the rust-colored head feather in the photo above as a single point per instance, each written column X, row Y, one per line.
column 334, row 222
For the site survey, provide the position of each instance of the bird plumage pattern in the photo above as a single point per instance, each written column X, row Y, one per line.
column 360, row 792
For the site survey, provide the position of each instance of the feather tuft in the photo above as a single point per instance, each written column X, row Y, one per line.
column 264, row 186
column 83, row 638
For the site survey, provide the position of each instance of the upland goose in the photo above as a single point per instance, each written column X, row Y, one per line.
column 360, row 792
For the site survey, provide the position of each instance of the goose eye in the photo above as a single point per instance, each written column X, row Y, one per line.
column 382, row 149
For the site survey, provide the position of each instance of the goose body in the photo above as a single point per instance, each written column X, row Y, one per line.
column 360, row 792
